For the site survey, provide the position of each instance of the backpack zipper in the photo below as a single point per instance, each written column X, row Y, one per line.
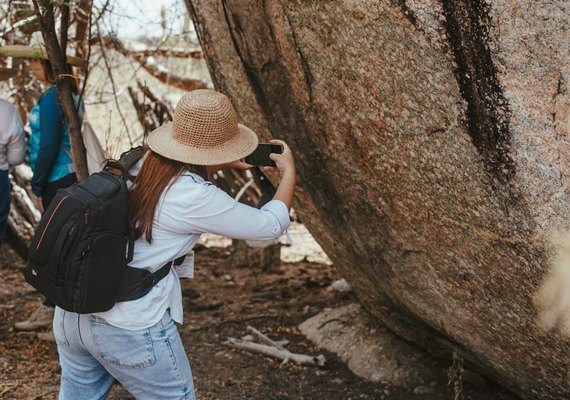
column 49, row 221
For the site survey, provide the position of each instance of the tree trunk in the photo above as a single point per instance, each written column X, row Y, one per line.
column 431, row 143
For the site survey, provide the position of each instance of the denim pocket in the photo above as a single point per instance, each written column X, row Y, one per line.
column 59, row 327
column 121, row 347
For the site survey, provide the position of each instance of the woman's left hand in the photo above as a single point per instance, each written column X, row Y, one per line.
column 241, row 165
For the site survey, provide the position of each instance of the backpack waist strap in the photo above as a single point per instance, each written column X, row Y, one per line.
column 137, row 282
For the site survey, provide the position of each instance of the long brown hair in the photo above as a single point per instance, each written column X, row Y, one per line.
column 156, row 175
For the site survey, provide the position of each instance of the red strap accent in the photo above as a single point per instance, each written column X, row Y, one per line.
column 45, row 229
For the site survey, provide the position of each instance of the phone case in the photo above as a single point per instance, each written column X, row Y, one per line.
column 260, row 156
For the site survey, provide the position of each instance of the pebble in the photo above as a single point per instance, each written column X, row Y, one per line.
column 340, row 286
column 423, row 390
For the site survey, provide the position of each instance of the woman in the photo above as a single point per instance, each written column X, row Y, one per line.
column 172, row 203
column 49, row 147
column 50, row 158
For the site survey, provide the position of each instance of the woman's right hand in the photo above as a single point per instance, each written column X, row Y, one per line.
column 286, row 164
column 284, row 161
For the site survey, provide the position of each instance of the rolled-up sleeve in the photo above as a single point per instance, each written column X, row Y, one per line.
column 216, row 212
column 279, row 211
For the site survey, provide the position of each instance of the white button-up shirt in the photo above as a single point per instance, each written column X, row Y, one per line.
column 190, row 207
column 12, row 145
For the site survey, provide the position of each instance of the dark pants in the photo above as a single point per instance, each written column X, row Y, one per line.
column 50, row 189
column 4, row 202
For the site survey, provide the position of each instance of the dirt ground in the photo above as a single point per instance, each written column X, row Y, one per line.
column 220, row 302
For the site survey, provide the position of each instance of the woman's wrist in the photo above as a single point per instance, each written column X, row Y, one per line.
column 288, row 179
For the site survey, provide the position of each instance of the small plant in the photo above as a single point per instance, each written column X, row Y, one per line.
column 455, row 376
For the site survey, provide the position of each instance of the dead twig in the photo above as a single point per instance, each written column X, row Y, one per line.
column 265, row 338
column 112, row 80
column 271, row 351
column 8, row 389
column 44, row 393
column 275, row 350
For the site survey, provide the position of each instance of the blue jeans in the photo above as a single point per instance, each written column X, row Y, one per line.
column 150, row 363
column 4, row 202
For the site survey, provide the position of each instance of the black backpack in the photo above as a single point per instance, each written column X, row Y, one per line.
column 79, row 253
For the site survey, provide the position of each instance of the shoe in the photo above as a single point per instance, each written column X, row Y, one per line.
column 42, row 317
column 47, row 336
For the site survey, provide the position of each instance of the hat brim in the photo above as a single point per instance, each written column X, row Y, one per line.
column 6, row 73
column 241, row 145
column 22, row 51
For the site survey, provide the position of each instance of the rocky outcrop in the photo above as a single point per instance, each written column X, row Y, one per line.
column 431, row 138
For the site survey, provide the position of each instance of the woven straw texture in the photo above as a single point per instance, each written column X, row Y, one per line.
column 6, row 73
column 21, row 51
column 204, row 131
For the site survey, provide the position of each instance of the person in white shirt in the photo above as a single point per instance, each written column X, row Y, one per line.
column 172, row 204
column 12, row 151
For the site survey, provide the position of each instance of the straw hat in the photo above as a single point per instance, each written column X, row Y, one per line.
column 6, row 73
column 22, row 51
column 204, row 131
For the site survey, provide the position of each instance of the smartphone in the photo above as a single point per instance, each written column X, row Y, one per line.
column 260, row 156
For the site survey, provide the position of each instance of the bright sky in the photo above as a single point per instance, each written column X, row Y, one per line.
column 135, row 18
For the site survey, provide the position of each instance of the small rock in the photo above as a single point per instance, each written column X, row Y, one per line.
column 340, row 285
column 228, row 277
column 423, row 390
column 231, row 382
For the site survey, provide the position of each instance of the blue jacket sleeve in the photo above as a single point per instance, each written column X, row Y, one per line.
column 51, row 128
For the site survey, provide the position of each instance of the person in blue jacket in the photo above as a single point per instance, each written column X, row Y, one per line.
column 49, row 152
column 49, row 146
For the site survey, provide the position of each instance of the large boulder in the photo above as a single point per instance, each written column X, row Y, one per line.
column 431, row 139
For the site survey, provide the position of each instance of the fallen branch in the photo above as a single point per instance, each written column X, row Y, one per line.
column 141, row 49
column 169, row 52
column 25, row 205
column 8, row 389
column 24, row 215
column 265, row 338
column 165, row 76
column 275, row 350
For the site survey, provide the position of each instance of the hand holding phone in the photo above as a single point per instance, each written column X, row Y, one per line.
column 286, row 166
column 260, row 155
